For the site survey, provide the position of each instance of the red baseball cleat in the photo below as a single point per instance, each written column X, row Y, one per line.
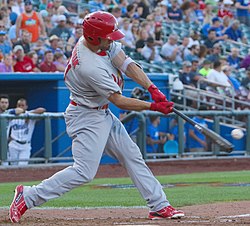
column 167, row 212
column 18, row 206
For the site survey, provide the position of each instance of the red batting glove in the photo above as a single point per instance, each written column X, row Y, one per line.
column 156, row 94
column 163, row 107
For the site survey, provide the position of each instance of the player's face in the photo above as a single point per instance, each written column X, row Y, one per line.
column 22, row 104
column 4, row 104
column 105, row 44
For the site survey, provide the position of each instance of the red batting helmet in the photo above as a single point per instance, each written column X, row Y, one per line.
column 101, row 25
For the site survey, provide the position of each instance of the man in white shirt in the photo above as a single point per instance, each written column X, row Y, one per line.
column 217, row 75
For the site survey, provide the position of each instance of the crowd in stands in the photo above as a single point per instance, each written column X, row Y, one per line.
column 38, row 36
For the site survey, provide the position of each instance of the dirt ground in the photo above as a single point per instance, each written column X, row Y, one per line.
column 233, row 213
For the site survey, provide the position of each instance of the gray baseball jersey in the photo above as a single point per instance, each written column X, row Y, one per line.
column 91, row 79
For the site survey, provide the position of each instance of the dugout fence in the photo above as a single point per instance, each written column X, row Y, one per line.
column 45, row 154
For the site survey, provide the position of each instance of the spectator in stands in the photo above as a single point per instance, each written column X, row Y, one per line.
column 12, row 30
column 158, row 33
column 215, row 53
column 174, row 12
column 210, row 40
column 131, row 11
column 194, row 51
column 140, row 43
column 54, row 44
column 143, row 8
column 128, row 41
column 234, row 33
column 170, row 50
column 23, row 63
column 195, row 73
column 226, row 9
column 135, row 28
column 43, row 5
column 48, row 65
column 24, row 41
column 245, row 63
column 197, row 141
column 164, row 10
column 40, row 47
column 17, row 6
column 183, row 48
column 206, row 67
column 36, row 27
column 5, row 45
column 216, row 75
column 194, row 38
column 7, row 64
column 226, row 22
column 123, row 8
column 96, row 4
column 217, row 26
column 202, row 54
column 151, row 53
column 20, row 133
column 235, row 83
column 154, row 136
column 242, row 10
column 117, row 12
column 246, row 81
column 34, row 57
column 185, row 75
column 233, row 59
column 61, row 31
column 60, row 62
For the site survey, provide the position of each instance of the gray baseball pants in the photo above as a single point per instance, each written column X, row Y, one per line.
column 92, row 132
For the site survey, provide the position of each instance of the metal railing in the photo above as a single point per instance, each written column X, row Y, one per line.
column 141, row 134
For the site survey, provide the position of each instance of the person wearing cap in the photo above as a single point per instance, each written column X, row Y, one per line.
column 217, row 26
column 54, row 44
column 5, row 45
column 61, row 31
column 31, row 21
column 226, row 9
column 151, row 53
column 185, row 74
column 23, row 62
column 206, row 67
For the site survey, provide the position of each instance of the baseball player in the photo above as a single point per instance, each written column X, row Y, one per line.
column 20, row 133
column 94, row 78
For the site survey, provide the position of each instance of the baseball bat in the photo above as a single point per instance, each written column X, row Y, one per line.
column 225, row 144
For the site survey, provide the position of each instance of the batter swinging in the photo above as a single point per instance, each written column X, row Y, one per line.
column 94, row 78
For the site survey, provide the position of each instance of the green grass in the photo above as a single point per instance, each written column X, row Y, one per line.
column 197, row 188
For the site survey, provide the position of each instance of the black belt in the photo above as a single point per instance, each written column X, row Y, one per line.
column 22, row 142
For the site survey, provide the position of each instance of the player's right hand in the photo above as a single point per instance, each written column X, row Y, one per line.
column 164, row 107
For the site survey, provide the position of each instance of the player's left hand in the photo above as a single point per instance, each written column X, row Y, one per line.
column 165, row 107
column 156, row 94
